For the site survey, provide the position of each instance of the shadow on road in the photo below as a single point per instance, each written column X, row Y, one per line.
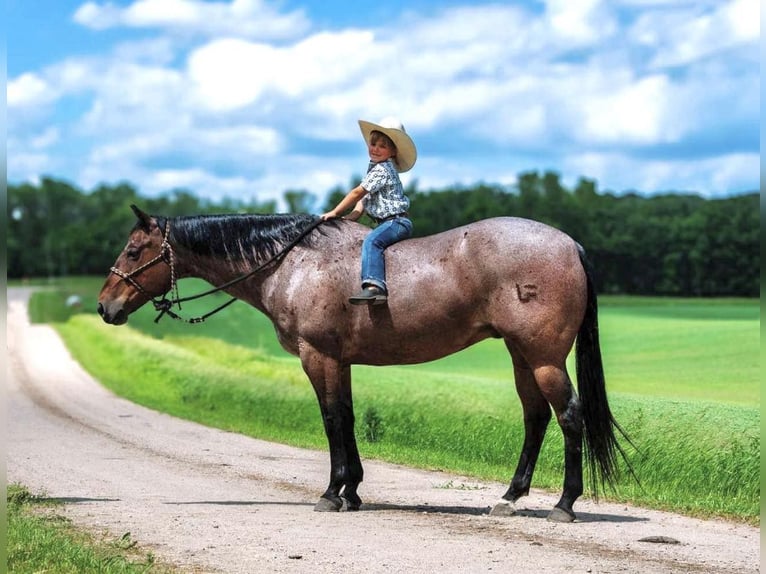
column 422, row 509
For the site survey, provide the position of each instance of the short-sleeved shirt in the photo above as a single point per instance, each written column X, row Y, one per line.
column 385, row 193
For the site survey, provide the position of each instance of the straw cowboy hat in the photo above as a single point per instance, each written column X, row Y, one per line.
column 406, row 154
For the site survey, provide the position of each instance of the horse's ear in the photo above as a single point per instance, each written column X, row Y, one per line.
column 143, row 217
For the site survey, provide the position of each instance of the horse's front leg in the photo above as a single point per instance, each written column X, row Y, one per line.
column 332, row 384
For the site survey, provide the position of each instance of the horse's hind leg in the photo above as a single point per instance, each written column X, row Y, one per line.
column 556, row 386
column 537, row 415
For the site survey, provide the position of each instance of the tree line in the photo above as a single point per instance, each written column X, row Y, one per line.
column 676, row 244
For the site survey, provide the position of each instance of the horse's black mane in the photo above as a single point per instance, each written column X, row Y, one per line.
column 238, row 237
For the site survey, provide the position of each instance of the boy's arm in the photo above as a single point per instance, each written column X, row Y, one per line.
column 352, row 198
column 357, row 211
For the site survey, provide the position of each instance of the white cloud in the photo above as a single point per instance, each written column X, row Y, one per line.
column 249, row 140
column 580, row 21
column 128, row 98
column 742, row 17
column 29, row 89
column 232, row 73
column 633, row 113
column 248, row 18
column 683, row 35
column 198, row 179
column 711, row 177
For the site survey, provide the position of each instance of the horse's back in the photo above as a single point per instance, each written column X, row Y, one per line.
column 496, row 249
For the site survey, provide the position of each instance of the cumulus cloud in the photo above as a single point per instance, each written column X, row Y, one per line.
column 580, row 21
column 28, row 90
column 686, row 35
column 232, row 73
column 632, row 113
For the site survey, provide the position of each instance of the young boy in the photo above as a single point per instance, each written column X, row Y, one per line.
column 381, row 195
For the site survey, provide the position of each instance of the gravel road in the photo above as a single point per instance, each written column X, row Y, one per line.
column 213, row 501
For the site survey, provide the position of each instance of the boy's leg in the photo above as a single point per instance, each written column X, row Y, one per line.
column 373, row 259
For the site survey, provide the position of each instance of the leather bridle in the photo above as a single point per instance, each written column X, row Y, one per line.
column 167, row 256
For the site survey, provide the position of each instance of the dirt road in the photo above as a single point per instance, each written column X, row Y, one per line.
column 213, row 501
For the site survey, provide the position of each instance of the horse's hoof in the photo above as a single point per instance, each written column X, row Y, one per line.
column 351, row 503
column 327, row 505
column 350, row 506
column 561, row 515
column 503, row 508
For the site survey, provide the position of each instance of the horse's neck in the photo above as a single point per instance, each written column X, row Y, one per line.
column 218, row 271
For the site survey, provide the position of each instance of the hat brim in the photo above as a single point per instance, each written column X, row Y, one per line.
column 406, row 153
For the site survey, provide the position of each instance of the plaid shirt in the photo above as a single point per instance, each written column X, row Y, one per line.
column 385, row 193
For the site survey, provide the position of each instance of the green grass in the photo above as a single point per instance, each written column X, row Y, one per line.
column 683, row 377
column 697, row 349
column 41, row 540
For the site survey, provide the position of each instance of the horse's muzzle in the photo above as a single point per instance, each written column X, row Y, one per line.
column 112, row 316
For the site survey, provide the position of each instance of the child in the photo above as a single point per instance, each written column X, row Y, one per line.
column 381, row 195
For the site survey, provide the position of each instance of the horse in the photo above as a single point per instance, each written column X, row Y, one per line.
column 510, row 278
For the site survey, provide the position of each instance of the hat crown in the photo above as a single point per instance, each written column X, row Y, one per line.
column 392, row 123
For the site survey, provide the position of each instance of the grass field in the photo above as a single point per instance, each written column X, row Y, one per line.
column 41, row 540
column 683, row 377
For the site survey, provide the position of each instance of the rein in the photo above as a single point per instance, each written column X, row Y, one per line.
column 166, row 255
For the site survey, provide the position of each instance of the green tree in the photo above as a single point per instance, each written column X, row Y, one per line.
column 671, row 244
column 299, row 201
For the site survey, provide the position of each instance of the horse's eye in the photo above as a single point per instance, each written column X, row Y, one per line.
column 132, row 254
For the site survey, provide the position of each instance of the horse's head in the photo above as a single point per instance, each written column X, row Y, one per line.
column 142, row 271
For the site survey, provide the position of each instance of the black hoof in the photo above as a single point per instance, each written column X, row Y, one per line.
column 351, row 503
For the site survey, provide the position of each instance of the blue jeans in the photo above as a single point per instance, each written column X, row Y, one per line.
column 373, row 260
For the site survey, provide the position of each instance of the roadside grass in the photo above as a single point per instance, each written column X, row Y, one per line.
column 41, row 540
column 683, row 378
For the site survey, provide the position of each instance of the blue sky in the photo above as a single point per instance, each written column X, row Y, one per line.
column 249, row 98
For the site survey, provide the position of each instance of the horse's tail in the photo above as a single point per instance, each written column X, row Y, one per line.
column 601, row 445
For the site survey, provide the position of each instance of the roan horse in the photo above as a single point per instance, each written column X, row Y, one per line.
column 508, row 278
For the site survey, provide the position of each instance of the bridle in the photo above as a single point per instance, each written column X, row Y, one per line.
column 166, row 255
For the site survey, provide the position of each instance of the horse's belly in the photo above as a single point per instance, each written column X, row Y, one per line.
column 405, row 348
